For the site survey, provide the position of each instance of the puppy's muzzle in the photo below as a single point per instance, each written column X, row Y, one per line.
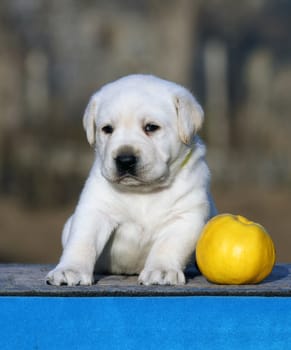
column 126, row 164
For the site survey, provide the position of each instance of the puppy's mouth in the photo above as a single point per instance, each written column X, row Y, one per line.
column 128, row 180
column 140, row 180
column 135, row 179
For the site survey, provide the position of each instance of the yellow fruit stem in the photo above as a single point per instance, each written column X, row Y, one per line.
column 244, row 220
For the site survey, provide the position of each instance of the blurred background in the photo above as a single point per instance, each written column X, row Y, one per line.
column 234, row 56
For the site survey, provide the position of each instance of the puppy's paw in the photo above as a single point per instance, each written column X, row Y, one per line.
column 162, row 277
column 69, row 276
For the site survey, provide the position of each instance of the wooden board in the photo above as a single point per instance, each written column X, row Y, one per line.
column 29, row 280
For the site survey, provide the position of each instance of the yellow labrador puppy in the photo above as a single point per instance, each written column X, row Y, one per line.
column 146, row 199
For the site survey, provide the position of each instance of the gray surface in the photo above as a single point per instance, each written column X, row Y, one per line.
column 29, row 280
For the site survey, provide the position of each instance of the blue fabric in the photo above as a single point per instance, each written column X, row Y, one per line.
column 145, row 323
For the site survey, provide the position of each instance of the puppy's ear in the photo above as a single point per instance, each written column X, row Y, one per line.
column 190, row 115
column 89, row 119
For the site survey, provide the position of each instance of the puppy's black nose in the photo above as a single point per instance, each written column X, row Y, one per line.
column 126, row 163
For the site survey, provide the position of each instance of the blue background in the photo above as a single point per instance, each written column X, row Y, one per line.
column 145, row 323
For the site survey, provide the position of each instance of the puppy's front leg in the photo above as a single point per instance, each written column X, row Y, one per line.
column 170, row 253
column 84, row 237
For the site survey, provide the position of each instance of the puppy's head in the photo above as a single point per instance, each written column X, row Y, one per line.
column 141, row 125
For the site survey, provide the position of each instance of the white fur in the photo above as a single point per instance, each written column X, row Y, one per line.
column 145, row 224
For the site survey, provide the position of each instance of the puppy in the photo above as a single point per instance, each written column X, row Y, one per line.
column 146, row 199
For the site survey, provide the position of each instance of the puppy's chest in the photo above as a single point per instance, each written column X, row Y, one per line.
column 140, row 222
column 145, row 214
column 131, row 243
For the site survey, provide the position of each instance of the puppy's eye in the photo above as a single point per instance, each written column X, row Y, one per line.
column 107, row 129
column 150, row 128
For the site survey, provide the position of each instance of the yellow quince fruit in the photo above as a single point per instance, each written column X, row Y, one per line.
column 233, row 250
